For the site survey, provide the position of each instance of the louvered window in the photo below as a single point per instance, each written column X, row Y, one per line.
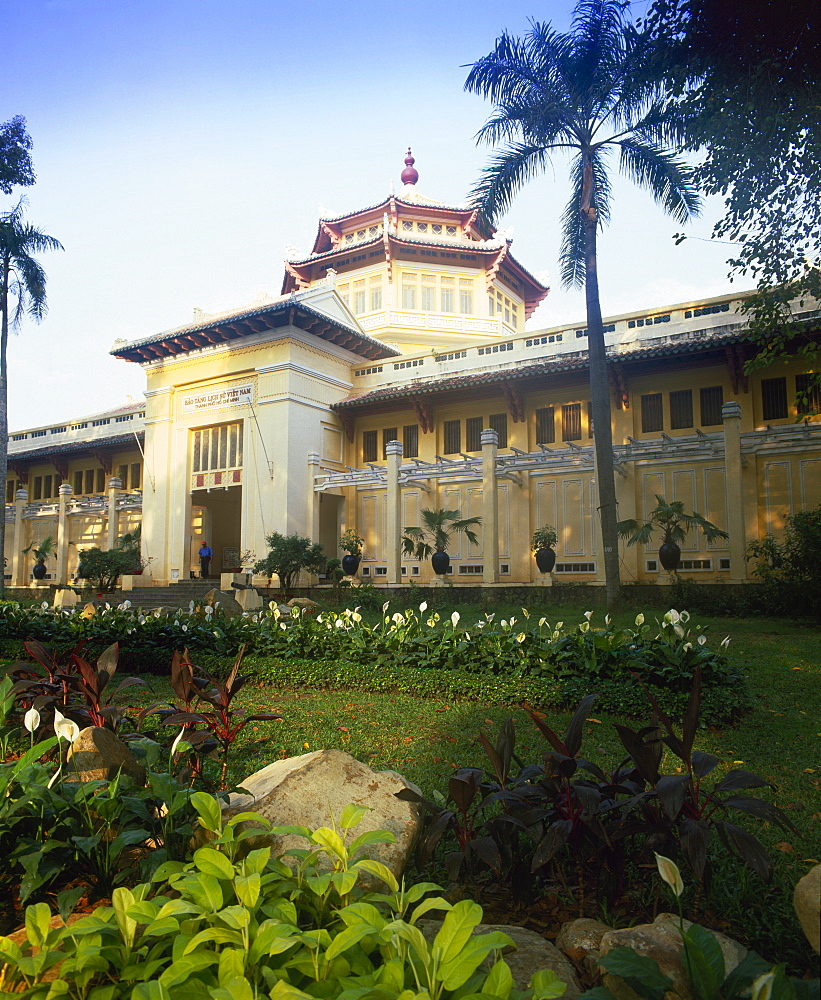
column 652, row 414
column 774, row 398
column 545, row 425
column 572, row 422
column 681, row 409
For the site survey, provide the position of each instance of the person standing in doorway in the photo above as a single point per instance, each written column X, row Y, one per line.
column 205, row 554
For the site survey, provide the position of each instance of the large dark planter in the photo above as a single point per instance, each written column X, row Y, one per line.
column 39, row 571
column 545, row 560
column 350, row 564
column 670, row 555
column 440, row 562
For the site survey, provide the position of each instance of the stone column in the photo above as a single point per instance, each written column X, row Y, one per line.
column 18, row 560
column 733, row 473
column 490, row 507
column 393, row 543
column 112, row 532
column 313, row 500
column 64, row 492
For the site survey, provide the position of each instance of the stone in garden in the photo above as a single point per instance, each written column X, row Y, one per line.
column 284, row 610
column 532, row 952
column 64, row 597
column 97, row 754
column 228, row 605
column 89, row 611
column 312, row 790
column 807, row 902
column 581, row 939
column 661, row 941
column 248, row 599
column 302, row 602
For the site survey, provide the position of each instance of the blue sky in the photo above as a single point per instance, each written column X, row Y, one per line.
column 180, row 145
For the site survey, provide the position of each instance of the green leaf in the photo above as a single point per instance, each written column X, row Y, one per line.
column 456, row 971
column 235, row 988
column 456, row 930
column 546, row 985
column 154, row 990
column 204, row 890
column 247, row 888
column 255, row 861
column 371, row 837
column 641, row 972
column 183, row 968
column 38, row 918
column 331, row 841
column 378, row 869
column 211, row 862
column 351, row 815
column 703, row 961
column 499, row 981
column 347, row 938
column 208, row 810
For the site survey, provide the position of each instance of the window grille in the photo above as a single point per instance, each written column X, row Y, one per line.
column 545, row 425
column 473, row 434
column 681, row 409
column 498, row 423
column 453, row 437
column 388, row 434
column 774, row 398
column 572, row 422
column 369, row 446
column 808, row 394
column 712, row 399
column 410, row 440
column 652, row 413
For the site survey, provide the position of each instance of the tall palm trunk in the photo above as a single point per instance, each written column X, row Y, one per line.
column 600, row 398
column 4, row 421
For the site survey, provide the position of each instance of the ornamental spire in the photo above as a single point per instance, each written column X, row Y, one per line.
column 409, row 175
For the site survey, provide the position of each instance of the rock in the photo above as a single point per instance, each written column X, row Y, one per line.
column 97, row 754
column 581, row 939
column 532, row 953
column 248, row 599
column 302, row 602
column 228, row 604
column 89, row 611
column 284, row 610
column 661, row 940
column 807, row 902
column 312, row 789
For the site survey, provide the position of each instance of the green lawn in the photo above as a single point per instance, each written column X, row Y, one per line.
column 427, row 739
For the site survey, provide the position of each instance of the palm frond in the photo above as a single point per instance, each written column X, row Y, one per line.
column 572, row 252
column 509, row 170
column 667, row 177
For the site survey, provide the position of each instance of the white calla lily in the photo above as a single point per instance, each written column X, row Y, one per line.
column 31, row 720
column 65, row 728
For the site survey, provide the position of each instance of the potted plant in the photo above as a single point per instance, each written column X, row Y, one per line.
column 433, row 537
column 351, row 543
column 542, row 543
column 41, row 551
column 670, row 519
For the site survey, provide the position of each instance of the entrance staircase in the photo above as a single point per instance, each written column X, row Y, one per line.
column 179, row 595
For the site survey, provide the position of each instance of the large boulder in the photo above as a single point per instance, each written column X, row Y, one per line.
column 302, row 602
column 227, row 603
column 661, row 940
column 248, row 599
column 64, row 597
column 311, row 790
column 97, row 754
column 581, row 940
column 807, row 903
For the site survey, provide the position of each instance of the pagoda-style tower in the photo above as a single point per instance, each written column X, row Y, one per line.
column 416, row 272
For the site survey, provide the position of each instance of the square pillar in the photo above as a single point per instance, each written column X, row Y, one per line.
column 490, row 507
column 64, row 492
column 733, row 478
column 112, row 528
column 18, row 560
column 393, row 543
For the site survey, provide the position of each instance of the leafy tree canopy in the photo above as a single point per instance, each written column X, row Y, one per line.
column 747, row 77
column 16, row 167
column 287, row 556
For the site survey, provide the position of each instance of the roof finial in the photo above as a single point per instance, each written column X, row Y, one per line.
column 409, row 175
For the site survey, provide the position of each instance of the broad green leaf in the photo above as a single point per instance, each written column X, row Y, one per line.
column 208, row 810
column 499, row 981
column 235, row 916
column 371, row 837
column 456, row 930
column 331, row 841
column 703, row 961
column 121, row 901
column 255, row 861
column 247, row 888
column 213, row 935
column 641, row 972
column 455, row 972
column 546, row 985
column 272, row 939
column 202, row 889
column 183, row 968
column 284, row 991
column 211, row 862
column 177, row 908
column 347, row 938
column 380, row 870
column 234, row 988
column 392, row 975
column 38, row 917
column 362, row 912
column 344, row 881
column 231, row 965
column 412, row 935
column 162, row 927
column 150, row 991
column 435, row 903
column 351, row 815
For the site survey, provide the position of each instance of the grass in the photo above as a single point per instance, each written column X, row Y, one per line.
column 426, row 739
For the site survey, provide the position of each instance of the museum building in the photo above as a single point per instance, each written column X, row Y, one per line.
column 395, row 373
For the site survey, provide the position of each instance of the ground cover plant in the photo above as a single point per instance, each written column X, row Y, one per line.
column 430, row 739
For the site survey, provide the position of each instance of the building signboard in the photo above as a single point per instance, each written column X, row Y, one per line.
column 235, row 395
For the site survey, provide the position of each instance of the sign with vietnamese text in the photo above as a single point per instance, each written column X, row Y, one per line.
column 236, row 395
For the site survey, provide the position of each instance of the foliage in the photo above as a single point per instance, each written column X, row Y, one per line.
column 235, row 924
column 544, row 538
column 16, row 167
column 350, row 541
column 669, row 517
column 437, row 529
column 566, row 811
column 704, row 966
column 583, row 94
column 42, row 550
column 288, row 555
column 792, row 565
column 104, row 568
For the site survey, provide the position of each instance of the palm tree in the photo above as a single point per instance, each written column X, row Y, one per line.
column 581, row 94
column 433, row 537
column 22, row 289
